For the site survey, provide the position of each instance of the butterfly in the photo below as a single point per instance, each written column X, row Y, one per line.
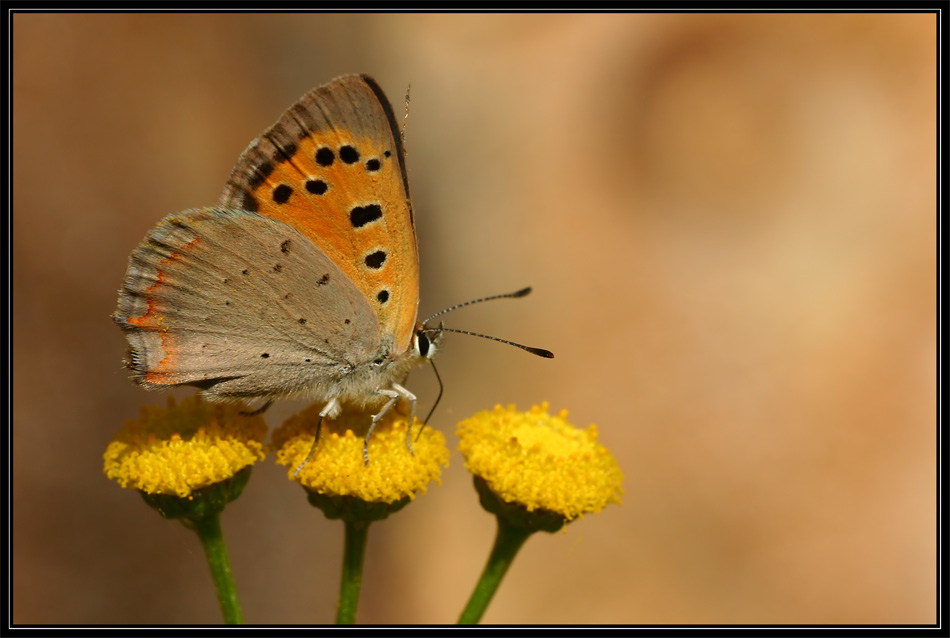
column 303, row 280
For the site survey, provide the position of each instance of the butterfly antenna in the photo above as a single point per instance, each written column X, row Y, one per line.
column 511, row 295
column 405, row 119
column 541, row 352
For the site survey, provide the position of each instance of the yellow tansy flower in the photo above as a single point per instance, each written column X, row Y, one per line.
column 540, row 461
column 337, row 467
column 178, row 449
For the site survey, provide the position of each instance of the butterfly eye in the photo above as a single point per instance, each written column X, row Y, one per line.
column 423, row 345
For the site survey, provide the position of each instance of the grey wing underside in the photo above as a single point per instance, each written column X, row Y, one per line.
column 241, row 305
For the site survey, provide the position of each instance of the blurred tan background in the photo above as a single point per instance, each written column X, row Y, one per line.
column 729, row 223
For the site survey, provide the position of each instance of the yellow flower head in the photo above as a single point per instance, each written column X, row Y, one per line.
column 178, row 449
column 540, row 461
column 337, row 467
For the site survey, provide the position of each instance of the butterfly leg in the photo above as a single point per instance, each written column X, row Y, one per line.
column 331, row 409
column 393, row 397
column 411, row 400
column 259, row 410
column 394, row 392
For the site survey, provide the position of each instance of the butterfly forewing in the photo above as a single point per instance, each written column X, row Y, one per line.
column 333, row 167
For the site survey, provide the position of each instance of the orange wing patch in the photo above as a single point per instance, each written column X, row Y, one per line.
column 161, row 371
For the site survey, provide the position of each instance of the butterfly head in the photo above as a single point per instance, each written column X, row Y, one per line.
column 425, row 341
column 390, row 364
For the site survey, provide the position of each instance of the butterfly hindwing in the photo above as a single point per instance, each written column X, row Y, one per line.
column 241, row 305
column 333, row 167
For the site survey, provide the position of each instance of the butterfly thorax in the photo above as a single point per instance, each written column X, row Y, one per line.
column 360, row 383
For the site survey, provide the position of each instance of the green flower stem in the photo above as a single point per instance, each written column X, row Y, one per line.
column 508, row 541
column 354, row 549
column 208, row 529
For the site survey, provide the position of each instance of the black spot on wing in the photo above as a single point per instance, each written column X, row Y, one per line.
column 362, row 215
column 324, row 156
column 349, row 155
column 316, row 186
column 248, row 203
column 376, row 259
column 282, row 193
